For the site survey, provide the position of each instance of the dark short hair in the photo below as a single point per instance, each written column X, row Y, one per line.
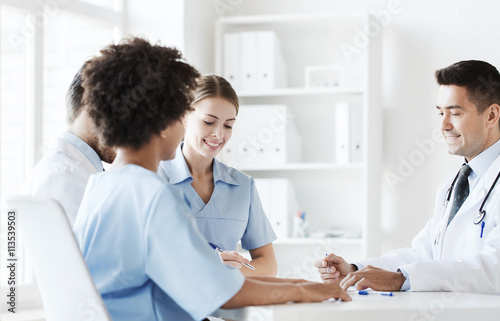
column 480, row 78
column 74, row 96
column 134, row 90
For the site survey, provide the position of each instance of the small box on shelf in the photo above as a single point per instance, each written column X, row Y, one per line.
column 324, row 76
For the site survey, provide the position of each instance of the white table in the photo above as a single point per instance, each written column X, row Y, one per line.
column 403, row 306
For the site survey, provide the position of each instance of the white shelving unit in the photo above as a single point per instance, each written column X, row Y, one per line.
column 343, row 196
column 303, row 167
column 288, row 92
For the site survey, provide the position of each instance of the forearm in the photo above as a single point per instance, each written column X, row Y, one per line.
column 264, row 261
column 257, row 292
column 276, row 280
column 264, row 266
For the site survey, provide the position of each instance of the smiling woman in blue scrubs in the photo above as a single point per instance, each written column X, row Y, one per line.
column 224, row 201
column 147, row 258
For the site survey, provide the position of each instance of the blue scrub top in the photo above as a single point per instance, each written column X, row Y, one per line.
column 234, row 211
column 147, row 258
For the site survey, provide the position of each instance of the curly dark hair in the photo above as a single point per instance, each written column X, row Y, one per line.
column 134, row 90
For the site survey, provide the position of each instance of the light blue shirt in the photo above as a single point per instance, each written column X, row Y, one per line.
column 233, row 213
column 84, row 148
column 147, row 259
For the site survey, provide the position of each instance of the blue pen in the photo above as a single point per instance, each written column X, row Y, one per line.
column 363, row 292
column 482, row 228
column 218, row 249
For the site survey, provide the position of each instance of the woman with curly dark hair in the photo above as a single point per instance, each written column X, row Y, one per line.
column 145, row 255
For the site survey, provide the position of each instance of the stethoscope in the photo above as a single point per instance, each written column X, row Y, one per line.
column 479, row 217
column 481, row 213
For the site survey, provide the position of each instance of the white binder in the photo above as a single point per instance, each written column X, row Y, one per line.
column 237, row 148
column 248, row 63
column 271, row 68
column 356, row 131
column 263, row 135
column 279, row 203
column 342, row 133
column 231, row 59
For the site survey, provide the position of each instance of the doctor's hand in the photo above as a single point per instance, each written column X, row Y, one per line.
column 333, row 268
column 233, row 259
column 374, row 278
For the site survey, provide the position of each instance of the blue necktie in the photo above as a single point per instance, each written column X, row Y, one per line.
column 461, row 190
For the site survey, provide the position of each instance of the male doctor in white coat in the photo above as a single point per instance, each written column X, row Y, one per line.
column 459, row 248
column 64, row 170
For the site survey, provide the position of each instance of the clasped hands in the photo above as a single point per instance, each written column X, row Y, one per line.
column 334, row 268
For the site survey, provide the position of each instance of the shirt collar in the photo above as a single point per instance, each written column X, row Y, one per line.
column 180, row 170
column 83, row 147
column 482, row 162
column 222, row 174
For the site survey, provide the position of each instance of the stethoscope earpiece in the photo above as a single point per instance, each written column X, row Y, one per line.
column 479, row 216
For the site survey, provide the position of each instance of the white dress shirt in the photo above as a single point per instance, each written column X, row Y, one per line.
column 63, row 172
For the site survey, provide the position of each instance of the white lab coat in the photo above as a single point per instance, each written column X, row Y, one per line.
column 62, row 175
column 462, row 261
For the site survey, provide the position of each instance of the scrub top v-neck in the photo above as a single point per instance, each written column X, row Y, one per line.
column 234, row 211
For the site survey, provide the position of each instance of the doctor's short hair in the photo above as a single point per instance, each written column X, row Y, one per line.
column 135, row 89
column 480, row 78
column 74, row 97
column 210, row 85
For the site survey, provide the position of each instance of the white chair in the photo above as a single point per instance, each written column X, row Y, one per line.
column 66, row 286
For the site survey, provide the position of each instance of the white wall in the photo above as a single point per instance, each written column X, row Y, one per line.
column 185, row 24
column 157, row 20
column 424, row 36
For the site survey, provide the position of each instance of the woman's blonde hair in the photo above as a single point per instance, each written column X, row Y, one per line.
column 210, row 85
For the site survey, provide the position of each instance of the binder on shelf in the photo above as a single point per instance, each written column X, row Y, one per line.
column 356, row 126
column 263, row 135
column 248, row 63
column 271, row 68
column 279, row 203
column 253, row 60
column 342, row 133
column 231, row 59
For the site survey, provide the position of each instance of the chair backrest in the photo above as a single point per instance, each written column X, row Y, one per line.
column 66, row 286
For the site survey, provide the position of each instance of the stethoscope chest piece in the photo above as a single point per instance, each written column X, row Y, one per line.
column 478, row 218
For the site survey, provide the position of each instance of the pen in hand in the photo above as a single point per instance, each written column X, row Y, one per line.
column 218, row 249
